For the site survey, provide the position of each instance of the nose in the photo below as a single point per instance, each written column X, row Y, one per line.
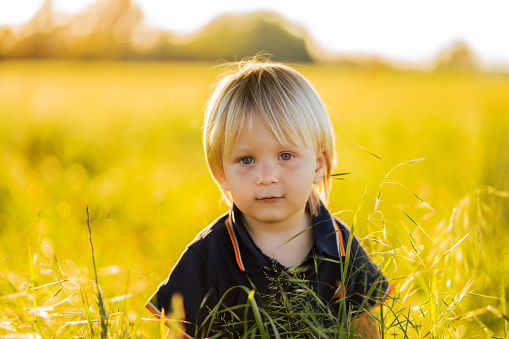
column 267, row 175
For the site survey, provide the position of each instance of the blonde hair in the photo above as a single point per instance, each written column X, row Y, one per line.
column 280, row 97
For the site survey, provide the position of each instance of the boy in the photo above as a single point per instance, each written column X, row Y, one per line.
column 269, row 146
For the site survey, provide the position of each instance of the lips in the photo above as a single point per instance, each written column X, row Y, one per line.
column 269, row 198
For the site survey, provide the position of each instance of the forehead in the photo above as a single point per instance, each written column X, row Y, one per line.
column 253, row 128
column 256, row 133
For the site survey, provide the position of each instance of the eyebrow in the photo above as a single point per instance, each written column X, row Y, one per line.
column 235, row 152
column 239, row 152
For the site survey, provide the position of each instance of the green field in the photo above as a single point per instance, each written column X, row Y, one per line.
column 125, row 139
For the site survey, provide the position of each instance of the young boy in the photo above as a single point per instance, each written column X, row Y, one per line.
column 269, row 146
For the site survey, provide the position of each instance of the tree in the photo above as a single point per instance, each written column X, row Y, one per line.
column 458, row 57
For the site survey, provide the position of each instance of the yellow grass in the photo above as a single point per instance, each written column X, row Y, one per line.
column 124, row 138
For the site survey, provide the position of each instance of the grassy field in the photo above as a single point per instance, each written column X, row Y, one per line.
column 124, row 139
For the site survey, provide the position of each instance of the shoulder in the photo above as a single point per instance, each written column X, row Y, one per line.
column 342, row 225
column 349, row 241
column 210, row 235
column 212, row 244
column 196, row 265
column 343, row 229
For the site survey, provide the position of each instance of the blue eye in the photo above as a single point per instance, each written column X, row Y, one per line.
column 286, row 156
column 246, row 160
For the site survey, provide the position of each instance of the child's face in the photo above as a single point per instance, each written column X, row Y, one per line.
column 270, row 183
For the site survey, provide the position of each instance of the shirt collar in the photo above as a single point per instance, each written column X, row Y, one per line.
column 327, row 234
column 327, row 237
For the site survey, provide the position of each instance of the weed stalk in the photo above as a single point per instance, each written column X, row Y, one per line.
column 100, row 302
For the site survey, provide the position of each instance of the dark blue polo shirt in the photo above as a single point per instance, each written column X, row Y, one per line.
column 222, row 265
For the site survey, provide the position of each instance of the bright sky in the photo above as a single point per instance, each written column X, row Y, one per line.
column 402, row 30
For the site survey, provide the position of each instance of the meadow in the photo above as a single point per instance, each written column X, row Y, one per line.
column 427, row 153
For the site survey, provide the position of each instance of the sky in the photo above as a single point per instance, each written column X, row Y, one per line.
column 412, row 31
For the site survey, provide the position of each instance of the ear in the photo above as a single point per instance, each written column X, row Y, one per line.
column 320, row 167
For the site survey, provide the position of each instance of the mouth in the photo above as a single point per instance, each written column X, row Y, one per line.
column 269, row 198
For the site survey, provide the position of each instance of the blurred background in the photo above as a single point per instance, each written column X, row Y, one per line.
column 465, row 34
column 101, row 104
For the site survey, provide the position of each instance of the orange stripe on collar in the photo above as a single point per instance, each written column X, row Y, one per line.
column 234, row 243
column 339, row 238
column 153, row 310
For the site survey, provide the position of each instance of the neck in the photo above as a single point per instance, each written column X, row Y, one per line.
column 289, row 241
column 291, row 226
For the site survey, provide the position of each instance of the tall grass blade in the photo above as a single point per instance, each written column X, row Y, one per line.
column 338, row 176
column 387, row 175
column 257, row 315
column 418, row 226
column 86, row 309
column 100, row 302
column 414, row 194
column 449, row 250
column 373, row 154
column 504, row 305
column 489, row 332
column 33, row 283
column 162, row 324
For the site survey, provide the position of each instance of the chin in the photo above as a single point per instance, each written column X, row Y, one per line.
column 271, row 218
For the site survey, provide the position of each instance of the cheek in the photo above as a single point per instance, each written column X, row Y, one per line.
column 235, row 177
column 301, row 178
column 303, row 169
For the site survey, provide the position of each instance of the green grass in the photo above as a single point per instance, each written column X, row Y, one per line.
column 124, row 138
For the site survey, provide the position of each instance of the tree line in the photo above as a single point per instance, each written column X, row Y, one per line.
column 116, row 30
